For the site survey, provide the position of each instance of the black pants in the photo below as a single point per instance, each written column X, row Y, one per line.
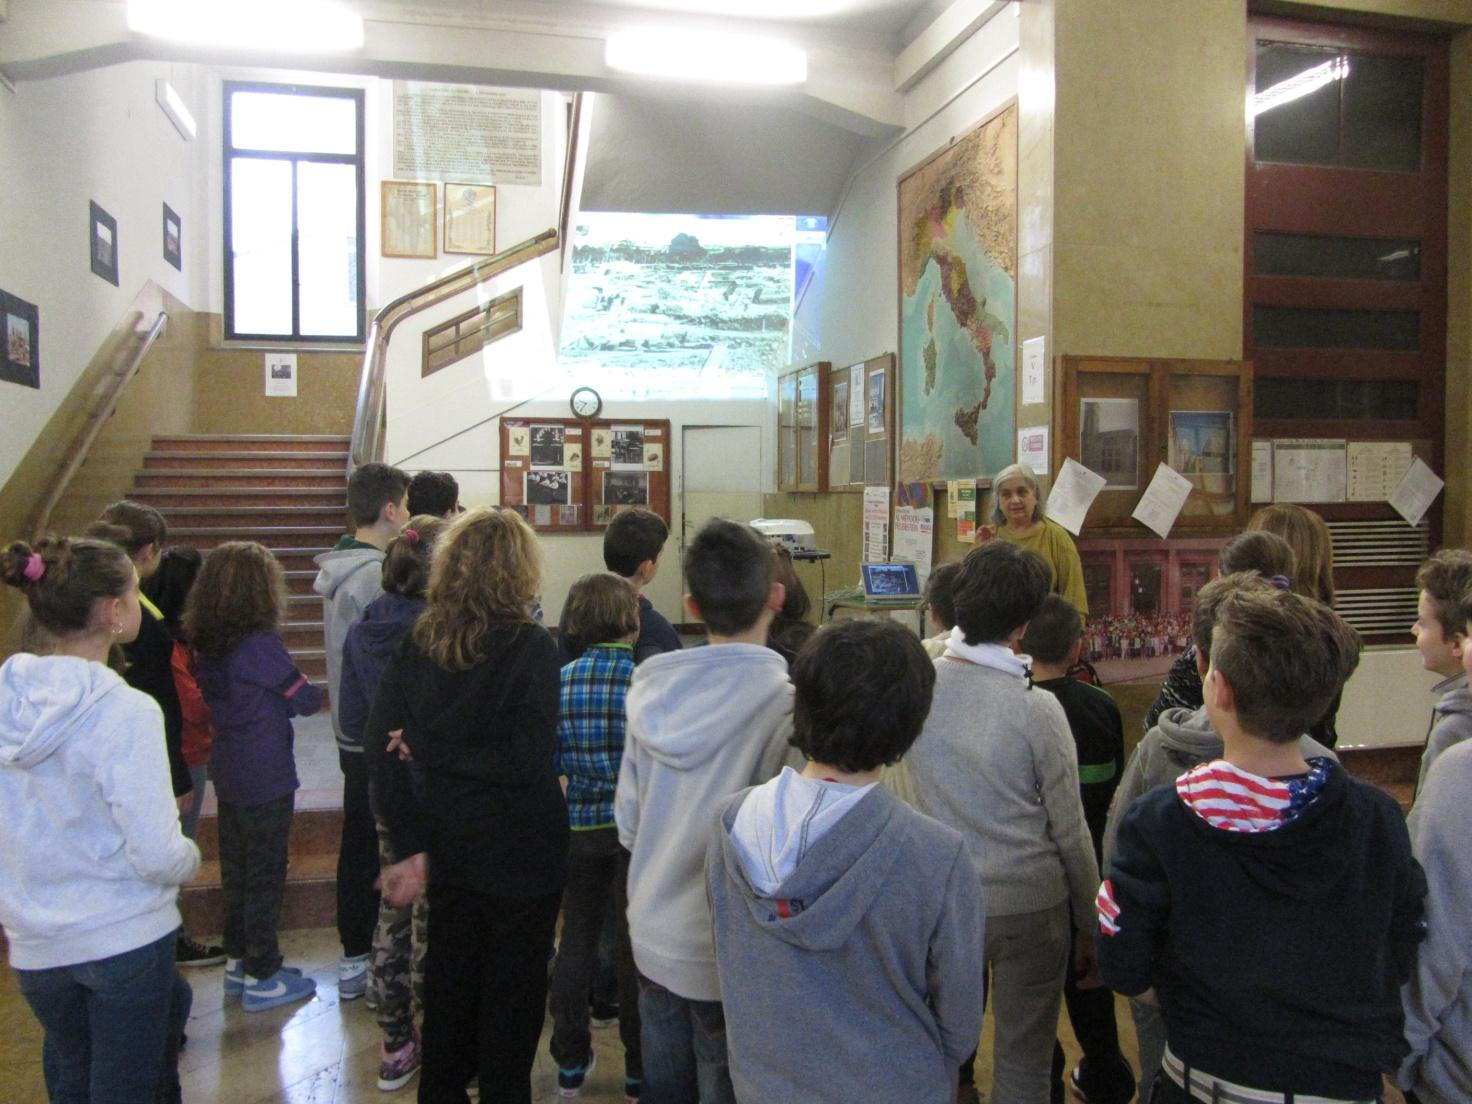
column 253, row 842
column 357, row 859
column 485, row 991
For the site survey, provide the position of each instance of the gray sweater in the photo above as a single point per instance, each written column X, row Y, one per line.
column 1451, row 723
column 860, row 978
column 1438, row 998
column 996, row 761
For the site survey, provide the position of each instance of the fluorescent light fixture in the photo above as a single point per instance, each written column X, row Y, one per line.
column 173, row 107
column 1300, row 85
column 283, row 26
column 716, row 57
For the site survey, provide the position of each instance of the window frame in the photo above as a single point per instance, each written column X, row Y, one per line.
column 358, row 160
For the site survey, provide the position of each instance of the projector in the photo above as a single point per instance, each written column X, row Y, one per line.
column 792, row 534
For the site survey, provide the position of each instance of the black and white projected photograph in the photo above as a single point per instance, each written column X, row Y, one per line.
column 626, row 488
column 546, row 446
column 548, row 488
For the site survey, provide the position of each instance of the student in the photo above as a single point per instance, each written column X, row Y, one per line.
column 397, row 974
column 702, row 724
column 632, row 545
column 1441, row 638
column 833, row 898
column 790, row 629
column 603, row 609
column 253, row 690
column 1053, row 639
column 350, row 578
column 472, row 694
column 997, row 762
column 942, row 607
column 434, row 494
column 91, row 855
column 1219, row 886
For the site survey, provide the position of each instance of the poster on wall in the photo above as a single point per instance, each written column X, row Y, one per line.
column 103, row 240
column 467, row 132
column 1202, row 448
column 958, row 306
column 470, row 219
column 173, row 238
column 20, row 323
column 281, row 375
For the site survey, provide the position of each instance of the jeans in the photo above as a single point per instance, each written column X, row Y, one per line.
column 253, row 842
column 357, row 859
column 684, row 1048
column 597, row 874
column 189, row 818
column 112, row 1026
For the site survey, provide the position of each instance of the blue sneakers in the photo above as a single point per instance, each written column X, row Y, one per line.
column 570, row 1081
column 285, row 986
column 235, row 976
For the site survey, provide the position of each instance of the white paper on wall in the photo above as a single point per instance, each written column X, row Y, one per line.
column 1163, row 500
column 1073, row 493
column 1416, row 492
column 1034, row 371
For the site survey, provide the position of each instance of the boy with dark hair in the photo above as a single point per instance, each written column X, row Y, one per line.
column 702, row 724
column 632, row 545
column 350, row 577
column 997, row 762
column 938, row 597
column 1220, row 885
column 436, row 494
column 1053, row 639
column 827, row 889
column 1441, row 638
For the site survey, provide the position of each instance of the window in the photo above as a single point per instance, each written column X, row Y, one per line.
column 293, row 213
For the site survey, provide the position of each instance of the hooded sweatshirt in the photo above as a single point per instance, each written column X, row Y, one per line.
column 1181, row 739
column 703, row 724
column 367, row 648
column 1438, row 998
column 1450, row 725
column 350, row 577
column 91, row 855
column 873, row 940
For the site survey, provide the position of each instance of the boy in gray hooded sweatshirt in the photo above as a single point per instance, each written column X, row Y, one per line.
column 702, row 724
column 1441, row 639
column 847, row 924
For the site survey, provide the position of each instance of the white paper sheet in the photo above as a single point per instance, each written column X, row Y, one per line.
column 1375, row 469
column 1032, row 448
column 876, row 524
column 1034, row 371
column 1308, row 470
column 914, row 530
column 1163, row 500
column 1416, row 492
column 281, row 374
column 1073, row 493
column 1262, row 471
column 856, row 395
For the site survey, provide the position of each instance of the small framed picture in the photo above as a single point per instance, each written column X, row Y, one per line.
column 409, row 217
column 470, row 218
column 104, row 244
column 20, row 326
column 173, row 238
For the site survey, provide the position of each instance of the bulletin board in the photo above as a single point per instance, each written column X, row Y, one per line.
column 861, row 424
column 628, row 465
column 544, row 474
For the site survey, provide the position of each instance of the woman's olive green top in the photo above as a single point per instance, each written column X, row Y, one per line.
column 1052, row 542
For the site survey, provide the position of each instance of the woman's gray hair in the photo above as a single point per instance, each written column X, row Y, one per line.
column 1009, row 472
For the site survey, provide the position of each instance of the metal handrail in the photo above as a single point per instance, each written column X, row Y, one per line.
column 78, row 454
column 368, row 418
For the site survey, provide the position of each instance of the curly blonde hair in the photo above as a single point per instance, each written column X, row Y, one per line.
column 240, row 590
column 1313, row 548
column 486, row 571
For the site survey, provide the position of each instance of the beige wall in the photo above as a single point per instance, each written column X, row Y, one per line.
column 231, row 393
column 1457, row 522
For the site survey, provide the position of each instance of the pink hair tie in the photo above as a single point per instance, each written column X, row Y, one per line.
column 35, row 567
column 412, row 535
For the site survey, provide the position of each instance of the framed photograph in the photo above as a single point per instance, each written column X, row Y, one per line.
column 548, row 488
column 409, row 210
column 625, row 488
column 627, row 449
column 547, row 446
column 875, row 397
column 470, row 218
column 104, row 244
column 1201, row 448
column 173, row 238
column 1109, row 441
column 20, row 325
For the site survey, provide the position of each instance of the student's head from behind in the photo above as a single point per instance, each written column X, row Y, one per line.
column 602, row 608
column 75, row 587
column 377, row 495
column 435, row 494
column 486, row 571
column 139, row 529
column 241, row 590
column 406, row 560
column 1054, row 632
column 1440, row 628
column 1313, row 550
column 863, row 690
column 1258, row 550
column 1277, row 660
column 998, row 591
column 632, row 544
column 796, row 605
column 940, row 596
column 732, row 578
column 1209, row 599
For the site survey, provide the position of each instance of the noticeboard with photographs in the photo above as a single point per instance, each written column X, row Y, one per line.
column 629, row 465
column 861, row 424
column 544, row 472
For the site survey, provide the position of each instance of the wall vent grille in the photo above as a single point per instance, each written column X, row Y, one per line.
column 1390, row 543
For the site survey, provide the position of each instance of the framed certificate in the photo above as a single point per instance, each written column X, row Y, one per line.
column 470, row 218
column 408, row 218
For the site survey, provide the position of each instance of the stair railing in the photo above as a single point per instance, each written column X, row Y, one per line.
column 369, row 417
column 77, row 455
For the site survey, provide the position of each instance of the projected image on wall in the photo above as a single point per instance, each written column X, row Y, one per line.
column 661, row 303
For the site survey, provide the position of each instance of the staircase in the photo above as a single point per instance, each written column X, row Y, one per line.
column 288, row 493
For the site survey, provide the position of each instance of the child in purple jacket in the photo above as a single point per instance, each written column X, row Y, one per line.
column 253, row 690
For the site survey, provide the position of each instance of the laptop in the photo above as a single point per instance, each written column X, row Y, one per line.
column 894, row 583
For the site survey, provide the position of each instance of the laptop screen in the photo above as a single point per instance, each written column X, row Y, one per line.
column 890, row 580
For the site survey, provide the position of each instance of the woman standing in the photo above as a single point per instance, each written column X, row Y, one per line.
column 1018, row 518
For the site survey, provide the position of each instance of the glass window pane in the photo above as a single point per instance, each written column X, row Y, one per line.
column 1097, row 579
column 327, row 241
column 1296, row 104
column 260, row 244
column 1341, row 258
column 294, row 123
column 1351, row 400
column 1382, row 113
column 1316, row 328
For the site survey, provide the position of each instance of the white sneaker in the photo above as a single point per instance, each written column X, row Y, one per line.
column 352, row 977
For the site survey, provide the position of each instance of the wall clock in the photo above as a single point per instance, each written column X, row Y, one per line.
column 586, row 403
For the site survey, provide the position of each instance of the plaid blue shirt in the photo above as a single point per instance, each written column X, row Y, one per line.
column 590, row 732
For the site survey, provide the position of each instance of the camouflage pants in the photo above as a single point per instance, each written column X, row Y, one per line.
column 396, row 979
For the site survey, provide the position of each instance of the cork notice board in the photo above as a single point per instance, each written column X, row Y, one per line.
column 565, row 475
column 629, row 465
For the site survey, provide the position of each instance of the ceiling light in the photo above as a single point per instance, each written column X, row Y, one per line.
column 715, row 57
column 278, row 25
column 1300, row 84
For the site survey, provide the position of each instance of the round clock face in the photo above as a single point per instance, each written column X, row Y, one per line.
column 586, row 402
